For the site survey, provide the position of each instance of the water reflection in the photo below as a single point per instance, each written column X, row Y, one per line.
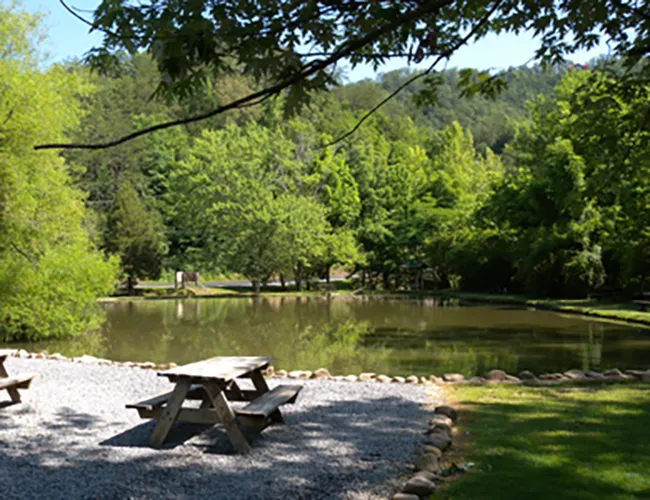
column 354, row 334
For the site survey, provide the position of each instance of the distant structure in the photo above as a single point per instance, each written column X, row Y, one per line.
column 183, row 276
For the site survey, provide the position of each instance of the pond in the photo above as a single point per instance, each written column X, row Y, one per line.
column 355, row 334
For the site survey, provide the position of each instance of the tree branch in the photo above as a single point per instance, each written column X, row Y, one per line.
column 416, row 77
column 345, row 50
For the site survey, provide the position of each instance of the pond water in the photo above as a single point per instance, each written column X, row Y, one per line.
column 351, row 335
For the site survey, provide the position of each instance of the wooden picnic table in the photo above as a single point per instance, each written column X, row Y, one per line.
column 214, row 382
column 12, row 384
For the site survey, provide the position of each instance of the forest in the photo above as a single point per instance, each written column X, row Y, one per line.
column 542, row 190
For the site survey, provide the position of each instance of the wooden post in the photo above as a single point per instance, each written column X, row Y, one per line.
column 13, row 392
column 227, row 417
column 170, row 412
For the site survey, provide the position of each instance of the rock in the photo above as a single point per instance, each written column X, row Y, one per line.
column 447, row 411
column 427, row 463
column 613, row 372
column 22, row 353
column 39, row 355
column 321, row 373
column 435, row 380
column 398, row 380
column 440, row 440
column 527, row 375
column 496, row 375
column 440, row 428
column 439, row 418
column 453, row 377
column 424, row 380
column 270, row 371
column 594, row 375
column 86, row 360
column 575, row 374
column 107, row 362
column 57, row 356
column 405, row 496
column 366, row 377
column 147, row 365
column 298, row 374
column 637, row 374
column 129, row 364
column 412, row 379
column 512, row 379
column 429, row 449
column 476, row 380
column 427, row 475
column 172, row 365
column 646, row 376
column 281, row 373
column 339, row 378
column 420, row 486
column 383, row 378
column 351, row 378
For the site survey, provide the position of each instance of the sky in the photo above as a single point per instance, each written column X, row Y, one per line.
column 69, row 38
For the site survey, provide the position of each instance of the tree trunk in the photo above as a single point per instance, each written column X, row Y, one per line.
column 130, row 285
column 327, row 276
column 298, row 277
column 256, row 285
column 363, row 278
column 282, row 283
column 386, row 279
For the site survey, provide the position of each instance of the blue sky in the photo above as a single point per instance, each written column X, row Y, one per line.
column 68, row 37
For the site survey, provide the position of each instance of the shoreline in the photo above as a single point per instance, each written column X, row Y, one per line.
column 494, row 376
column 612, row 311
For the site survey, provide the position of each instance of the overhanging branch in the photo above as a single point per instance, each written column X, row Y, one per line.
column 345, row 50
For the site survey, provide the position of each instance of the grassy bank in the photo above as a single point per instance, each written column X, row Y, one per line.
column 553, row 443
column 229, row 292
column 620, row 311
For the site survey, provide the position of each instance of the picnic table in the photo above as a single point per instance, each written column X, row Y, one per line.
column 214, row 382
column 12, row 384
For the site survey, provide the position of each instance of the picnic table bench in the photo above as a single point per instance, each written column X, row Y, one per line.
column 12, row 384
column 213, row 382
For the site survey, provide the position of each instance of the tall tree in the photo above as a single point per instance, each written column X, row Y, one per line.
column 50, row 271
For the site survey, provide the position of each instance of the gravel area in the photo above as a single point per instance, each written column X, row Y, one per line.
column 72, row 437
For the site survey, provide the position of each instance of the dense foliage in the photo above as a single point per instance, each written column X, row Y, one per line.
column 50, row 271
column 550, row 208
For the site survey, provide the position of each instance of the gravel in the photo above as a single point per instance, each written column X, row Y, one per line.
column 72, row 437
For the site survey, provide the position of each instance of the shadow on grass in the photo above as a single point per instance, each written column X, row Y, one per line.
column 556, row 443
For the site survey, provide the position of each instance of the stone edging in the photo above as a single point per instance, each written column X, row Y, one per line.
column 439, row 438
column 492, row 377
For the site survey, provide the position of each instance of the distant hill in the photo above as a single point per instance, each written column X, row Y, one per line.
column 491, row 121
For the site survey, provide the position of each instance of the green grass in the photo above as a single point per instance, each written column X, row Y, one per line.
column 553, row 443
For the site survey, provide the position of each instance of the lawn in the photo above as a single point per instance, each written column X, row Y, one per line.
column 553, row 443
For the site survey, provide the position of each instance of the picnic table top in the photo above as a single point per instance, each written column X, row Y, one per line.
column 219, row 368
column 5, row 353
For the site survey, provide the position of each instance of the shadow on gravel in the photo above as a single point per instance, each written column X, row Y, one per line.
column 68, row 419
column 338, row 449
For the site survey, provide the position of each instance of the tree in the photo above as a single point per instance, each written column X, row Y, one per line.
column 265, row 39
column 50, row 270
column 136, row 236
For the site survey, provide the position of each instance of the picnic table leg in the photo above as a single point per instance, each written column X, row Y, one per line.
column 260, row 384
column 13, row 392
column 227, row 417
column 170, row 412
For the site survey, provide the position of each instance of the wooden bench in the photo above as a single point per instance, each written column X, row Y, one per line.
column 20, row 382
column 264, row 409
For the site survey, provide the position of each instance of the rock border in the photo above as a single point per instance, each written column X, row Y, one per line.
column 439, row 437
column 492, row 377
